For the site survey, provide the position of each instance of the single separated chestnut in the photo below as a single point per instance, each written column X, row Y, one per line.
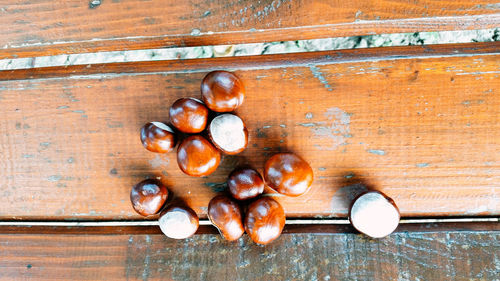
column 178, row 222
column 222, row 91
column 264, row 220
column 158, row 137
column 374, row 214
column 189, row 115
column 197, row 157
column 288, row 174
column 228, row 133
column 225, row 215
column 148, row 197
column 245, row 183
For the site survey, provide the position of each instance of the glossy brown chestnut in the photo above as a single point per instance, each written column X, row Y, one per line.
column 189, row 115
column 374, row 214
column 148, row 197
column 222, row 91
column 197, row 157
column 228, row 133
column 245, row 183
column 158, row 137
column 264, row 220
column 288, row 174
column 178, row 222
column 225, row 215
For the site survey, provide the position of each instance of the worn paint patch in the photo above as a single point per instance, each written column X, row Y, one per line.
column 336, row 129
column 422, row 165
column 217, row 186
column 376, row 151
column 158, row 162
column 115, row 124
column 319, row 75
column 54, row 178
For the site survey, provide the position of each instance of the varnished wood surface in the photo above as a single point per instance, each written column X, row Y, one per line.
column 451, row 255
column 422, row 128
column 43, row 27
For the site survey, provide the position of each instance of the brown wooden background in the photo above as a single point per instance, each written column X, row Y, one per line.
column 419, row 123
column 452, row 255
column 49, row 27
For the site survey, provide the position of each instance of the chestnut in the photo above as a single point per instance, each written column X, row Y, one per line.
column 245, row 183
column 228, row 133
column 158, row 137
column 197, row 157
column 264, row 220
column 189, row 115
column 288, row 174
column 178, row 222
column 374, row 214
column 148, row 197
column 225, row 215
column 222, row 91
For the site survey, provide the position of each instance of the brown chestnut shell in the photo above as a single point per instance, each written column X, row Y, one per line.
column 264, row 220
column 378, row 219
column 222, row 91
column 158, row 137
column 245, row 183
column 288, row 174
column 189, row 115
column 148, row 197
column 178, row 222
column 225, row 215
column 197, row 157
column 228, row 133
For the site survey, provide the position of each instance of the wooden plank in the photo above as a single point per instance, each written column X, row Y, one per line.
column 402, row 256
column 43, row 27
column 299, row 226
column 423, row 128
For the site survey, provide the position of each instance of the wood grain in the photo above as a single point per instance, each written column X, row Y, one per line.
column 452, row 255
column 43, row 27
column 422, row 128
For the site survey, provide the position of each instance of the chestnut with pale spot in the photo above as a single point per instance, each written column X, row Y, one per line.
column 264, row 220
column 178, row 222
column 374, row 214
column 197, row 157
column 288, row 174
column 222, row 91
column 189, row 115
column 148, row 197
column 158, row 137
column 228, row 133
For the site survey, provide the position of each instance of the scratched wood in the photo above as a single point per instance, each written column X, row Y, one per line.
column 451, row 255
column 422, row 128
column 43, row 27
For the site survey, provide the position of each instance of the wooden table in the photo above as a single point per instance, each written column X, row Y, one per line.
column 420, row 123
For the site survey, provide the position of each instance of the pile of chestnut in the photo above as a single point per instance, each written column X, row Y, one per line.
column 210, row 128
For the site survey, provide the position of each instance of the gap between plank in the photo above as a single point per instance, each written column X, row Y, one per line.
column 207, row 222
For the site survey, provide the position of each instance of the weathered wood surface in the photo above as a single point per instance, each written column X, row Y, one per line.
column 452, row 255
column 43, row 27
column 421, row 127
